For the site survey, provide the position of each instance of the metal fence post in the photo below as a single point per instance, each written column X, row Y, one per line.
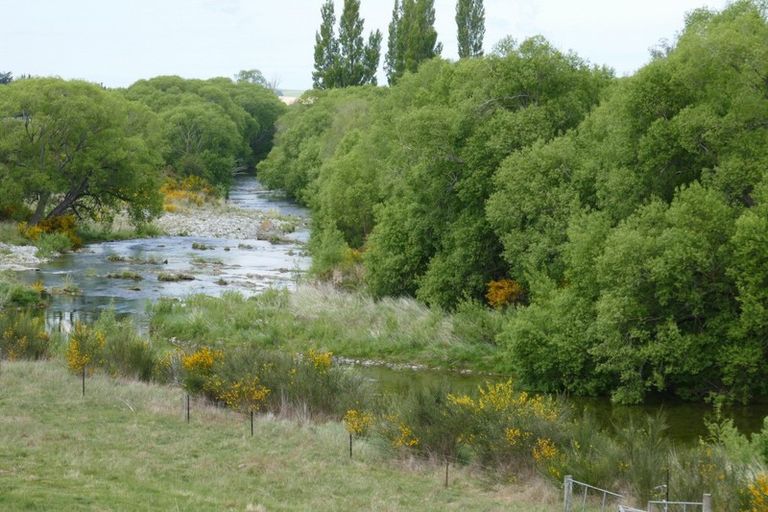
column 707, row 503
column 567, row 492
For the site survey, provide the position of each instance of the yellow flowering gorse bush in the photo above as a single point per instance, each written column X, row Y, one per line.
column 85, row 347
column 321, row 360
column 357, row 422
column 758, row 494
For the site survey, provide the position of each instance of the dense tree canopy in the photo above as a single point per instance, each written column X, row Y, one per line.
column 211, row 128
column 630, row 212
column 73, row 147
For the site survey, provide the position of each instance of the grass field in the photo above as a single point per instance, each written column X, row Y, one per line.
column 126, row 446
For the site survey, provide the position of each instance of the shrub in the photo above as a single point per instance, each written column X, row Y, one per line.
column 508, row 428
column 50, row 244
column 18, row 295
column 85, row 348
column 23, row 336
column 125, row 353
column 504, row 292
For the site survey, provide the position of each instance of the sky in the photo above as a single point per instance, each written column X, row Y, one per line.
column 118, row 42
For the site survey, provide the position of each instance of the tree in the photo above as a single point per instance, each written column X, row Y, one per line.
column 251, row 76
column 393, row 59
column 6, row 77
column 348, row 60
column 326, row 50
column 357, row 61
column 75, row 147
column 470, row 20
column 413, row 38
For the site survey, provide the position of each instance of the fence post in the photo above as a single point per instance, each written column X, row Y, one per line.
column 707, row 503
column 567, row 492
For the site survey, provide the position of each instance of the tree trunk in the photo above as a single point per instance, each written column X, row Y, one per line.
column 42, row 203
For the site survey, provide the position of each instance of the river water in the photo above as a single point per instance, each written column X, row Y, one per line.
column 246, row 266
column 251, row 266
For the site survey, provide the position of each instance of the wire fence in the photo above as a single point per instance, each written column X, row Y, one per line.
column 582, row 497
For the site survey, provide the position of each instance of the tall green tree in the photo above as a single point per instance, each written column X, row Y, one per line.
column 326, row 50
column 6, row 77
column 73, row 147
column 413, row 38
column 470, row 21
column 357, row 61
column 393, row 59
column 347, row 60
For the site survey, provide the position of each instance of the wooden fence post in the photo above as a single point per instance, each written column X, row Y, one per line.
column 707, row 503
column 567, row 492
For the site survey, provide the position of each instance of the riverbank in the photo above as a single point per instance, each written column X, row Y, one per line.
column 398, row 331
column 126, row 444
column 19, row 257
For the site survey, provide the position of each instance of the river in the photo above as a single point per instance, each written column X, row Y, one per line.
column 250, row 266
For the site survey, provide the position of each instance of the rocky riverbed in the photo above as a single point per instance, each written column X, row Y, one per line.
column 19, row 257
column 229, row 222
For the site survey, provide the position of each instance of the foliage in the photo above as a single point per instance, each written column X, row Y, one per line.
column 23, row 336
column 358, row 422
column 344, row 61
column 412, row 37
column 125, row 353
column 470, row 20
column 85, row 347
column 325, row 319
column 14, row 294
column 73, row 147
column 503, row 292
column 211, row 129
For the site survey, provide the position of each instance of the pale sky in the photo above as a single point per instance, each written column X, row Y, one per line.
column 119, row 42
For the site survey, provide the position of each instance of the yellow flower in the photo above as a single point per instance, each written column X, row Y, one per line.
column 758, row 494
column 357, row 422
column 406, row 437
column 202, row 360
column 321, row 360
column 544, row 449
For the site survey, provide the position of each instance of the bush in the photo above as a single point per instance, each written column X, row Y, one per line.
column 50, row 244
column 125, row 353
column 515, row 430
column 23, row 336
column 14, row 294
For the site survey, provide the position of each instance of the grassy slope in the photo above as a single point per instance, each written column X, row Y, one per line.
column 125, row 446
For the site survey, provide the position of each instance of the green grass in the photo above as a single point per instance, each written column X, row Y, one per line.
column 120, row 229
column 348, row 324
column 9, row 234
column 125, row 446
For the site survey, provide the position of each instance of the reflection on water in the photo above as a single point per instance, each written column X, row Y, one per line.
column 686, row 420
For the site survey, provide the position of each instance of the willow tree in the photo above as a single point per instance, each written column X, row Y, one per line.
column 73, row 147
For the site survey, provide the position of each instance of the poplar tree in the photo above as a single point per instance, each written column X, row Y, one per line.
column 358, row 62
column 348, row 60
column 326, row 50
column 413, row 38
column 470, row 21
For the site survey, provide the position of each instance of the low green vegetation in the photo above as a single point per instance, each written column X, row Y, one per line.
column 125, row 274
column 14, row 294
column 174, row 276
column 126, row 444
column 324, row 318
